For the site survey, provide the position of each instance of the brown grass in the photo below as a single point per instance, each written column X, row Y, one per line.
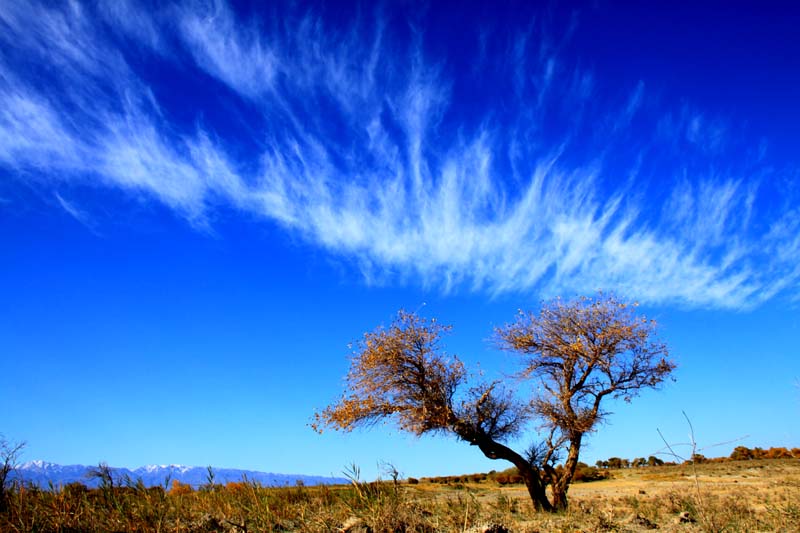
column 761, row 495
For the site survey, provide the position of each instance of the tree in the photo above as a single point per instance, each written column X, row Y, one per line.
column 778, row 453
column 10, row 453
column 579, row 352
column 402, row 373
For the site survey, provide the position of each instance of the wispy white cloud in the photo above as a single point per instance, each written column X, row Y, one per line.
column 357, row 144
column 76, row 212
column 229, row 51
column 129, row 19
column 32, row 133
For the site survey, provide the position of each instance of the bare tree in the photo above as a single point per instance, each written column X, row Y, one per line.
column 402, row 373
column 10, row 453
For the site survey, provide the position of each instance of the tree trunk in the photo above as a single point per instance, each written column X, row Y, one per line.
column 530, row 474
column 536, row 489
column 561, row 484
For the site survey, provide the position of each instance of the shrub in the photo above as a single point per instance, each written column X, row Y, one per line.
column 587, row 473
column 179, row 488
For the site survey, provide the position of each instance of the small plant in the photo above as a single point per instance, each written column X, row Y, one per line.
column 697, row 504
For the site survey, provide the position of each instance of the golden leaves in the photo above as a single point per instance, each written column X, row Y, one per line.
column 399, row 372
column 584, row 350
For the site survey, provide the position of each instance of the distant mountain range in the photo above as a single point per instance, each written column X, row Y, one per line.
column 42, row 473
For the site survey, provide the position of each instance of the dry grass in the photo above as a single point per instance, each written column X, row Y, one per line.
column 732, row 496
column 741, row 496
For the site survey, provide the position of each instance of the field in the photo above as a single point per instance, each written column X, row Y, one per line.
column 746, row 496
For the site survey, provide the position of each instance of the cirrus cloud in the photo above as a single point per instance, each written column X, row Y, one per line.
column 359, row 142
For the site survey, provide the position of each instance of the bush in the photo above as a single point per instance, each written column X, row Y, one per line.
column 586, row 473
column 179, row 488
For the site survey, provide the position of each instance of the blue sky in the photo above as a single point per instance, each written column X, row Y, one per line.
column 202, row 204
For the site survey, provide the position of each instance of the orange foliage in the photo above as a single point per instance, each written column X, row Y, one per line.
column 179, row 488
column 398, row 372
column 778, row 453
column 236, row 486
column 742, row 453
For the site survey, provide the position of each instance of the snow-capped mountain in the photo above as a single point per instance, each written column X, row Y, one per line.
column 42, row 473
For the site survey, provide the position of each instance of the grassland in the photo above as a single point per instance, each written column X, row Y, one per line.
column 746, row 496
